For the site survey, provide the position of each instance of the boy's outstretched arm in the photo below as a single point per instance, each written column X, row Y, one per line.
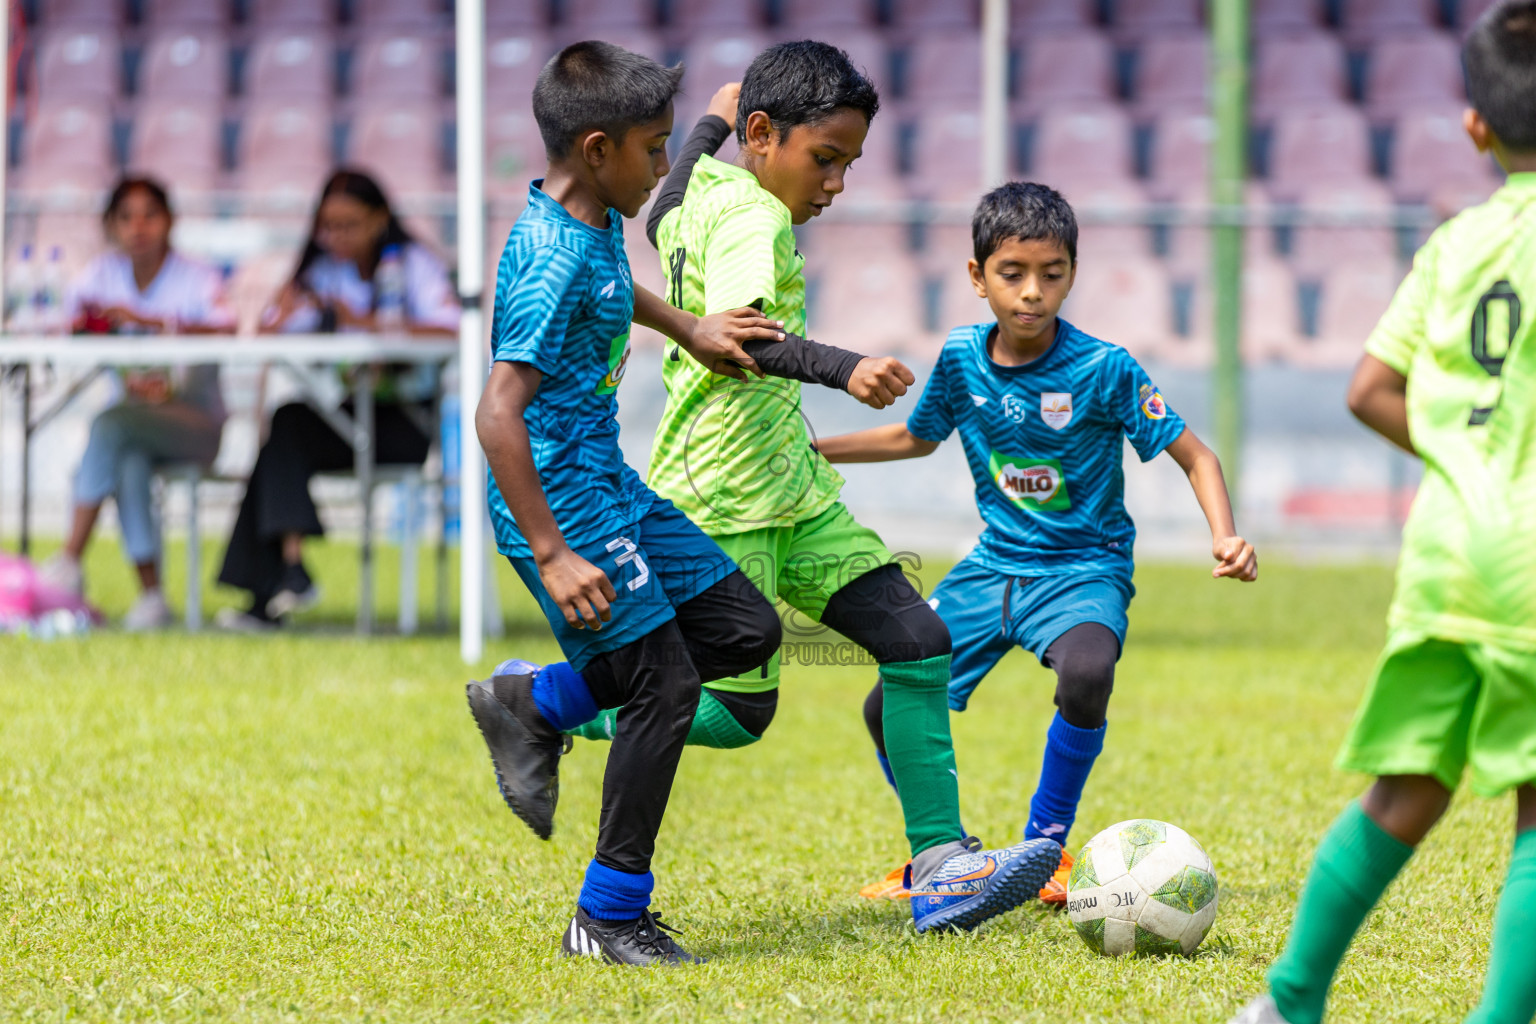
column 581, row 589
column 1235, row 555
column 877, row 444
column 1378, row 396
column 715, row 341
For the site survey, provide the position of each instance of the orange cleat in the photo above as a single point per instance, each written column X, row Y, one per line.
column 891, row 887
column 1055, row 892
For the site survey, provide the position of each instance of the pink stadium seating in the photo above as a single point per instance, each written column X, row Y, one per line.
column 1030, row 16
column 867, row 287
column 296, row 63
column 820, row 16
column 79, row 63
column 1125, row 300
column 514, row 16
column 68, row 146
column 402, row 14
column 1320, row 248
column 57, row 14
column 1271, row 326
column 287, row 14
column 1434, row 162
column 206, row 14
column 1086, row 146
column 1364, row 21
column 1297, row 71
column 1070, row 68
column 177, row 141
column 1468, row 11
column 947, row 154
column 1180, row 157
column 580, row 17
column 398, row 65
column 944, row 67
column 285, row 147
column 1321, row 146
column 713, row 61
column 717, row 15
column 1354, row 296
column 512, row 66
column 1271, row 18
column 1136, row 19
column 1110, row 217
column 868, row 52
column 929, row 16
column 402, row 143
column 1411, row 72
column 186, row 65
column 1172, row 74
column 514, row 153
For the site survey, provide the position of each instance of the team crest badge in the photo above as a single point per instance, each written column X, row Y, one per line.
column 1056, row 409
column 1151, row 401
column 1015, row 409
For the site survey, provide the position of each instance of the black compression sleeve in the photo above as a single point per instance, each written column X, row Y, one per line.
column 707, row 137
column 802, row 359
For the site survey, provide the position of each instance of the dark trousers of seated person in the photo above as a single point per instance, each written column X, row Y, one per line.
column 277, row 502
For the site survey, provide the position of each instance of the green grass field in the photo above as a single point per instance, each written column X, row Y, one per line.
column 305, row 828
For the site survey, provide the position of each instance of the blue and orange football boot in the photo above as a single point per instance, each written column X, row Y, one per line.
column 970, row 885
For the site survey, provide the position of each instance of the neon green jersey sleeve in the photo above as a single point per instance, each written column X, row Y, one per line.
column 1401, row 330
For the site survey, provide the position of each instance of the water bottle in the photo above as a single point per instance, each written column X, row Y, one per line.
column 452, row 431
column 48, row 311
column 18, row 298
column 389, row 291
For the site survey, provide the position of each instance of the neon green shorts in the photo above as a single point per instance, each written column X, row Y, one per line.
column 1436, row 706
column 802, row 565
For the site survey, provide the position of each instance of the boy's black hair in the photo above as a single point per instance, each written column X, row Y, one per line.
column 1024, row 210
column 1499, row 62
column 596, row 86
column 802, row 82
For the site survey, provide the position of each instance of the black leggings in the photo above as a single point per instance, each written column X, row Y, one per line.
column 1083, row 659
column 728, row 629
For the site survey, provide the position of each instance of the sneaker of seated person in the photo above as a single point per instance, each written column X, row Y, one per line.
column 234, row 620
column 149, row 612
column 296, row 592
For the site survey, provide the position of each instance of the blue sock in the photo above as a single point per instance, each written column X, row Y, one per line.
column 1069, row 756
column 885, row 766
column 610, row 895
column 562, row 696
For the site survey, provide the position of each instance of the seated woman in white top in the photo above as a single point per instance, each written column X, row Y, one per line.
column 169, row 414
column 336, row 287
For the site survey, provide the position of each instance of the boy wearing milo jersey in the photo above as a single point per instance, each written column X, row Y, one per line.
column 1450, row 375
column 736, row 457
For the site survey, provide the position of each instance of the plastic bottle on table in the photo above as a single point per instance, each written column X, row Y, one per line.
column 18, row 299
column 389, row 291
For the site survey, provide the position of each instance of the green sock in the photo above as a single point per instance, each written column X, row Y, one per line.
column 917, row 743
column 713, row 726
column 1355, row 863
column 1509, row 995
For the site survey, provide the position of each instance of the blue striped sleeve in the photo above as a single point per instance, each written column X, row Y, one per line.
column 934, row 417
column 538, row 291
column 1149, row 423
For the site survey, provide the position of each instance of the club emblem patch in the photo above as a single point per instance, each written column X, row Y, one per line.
column 1056, row 409
column 1151, row 401
column 1015, row 409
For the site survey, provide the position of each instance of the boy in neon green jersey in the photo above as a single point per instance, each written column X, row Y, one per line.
column 1450, row 374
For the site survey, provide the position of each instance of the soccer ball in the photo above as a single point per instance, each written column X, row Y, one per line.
column 1143, row 887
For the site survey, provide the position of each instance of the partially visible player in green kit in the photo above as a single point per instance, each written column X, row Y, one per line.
column 1450, row 375
column 738, row 460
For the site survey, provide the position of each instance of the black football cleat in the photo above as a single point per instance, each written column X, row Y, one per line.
column 525, row 749
column 638, row 942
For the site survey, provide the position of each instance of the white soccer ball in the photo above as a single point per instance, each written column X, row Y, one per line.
column 1144, row 887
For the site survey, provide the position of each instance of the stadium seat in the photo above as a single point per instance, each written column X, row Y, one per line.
column 1069, row 68
column 58, row 14
column 1179, row 163
column 403, row 14
column 1125, row 300
column 1270, row 18
column 1291, row 72
column 1412, row 72
column 867, row 293
column 813, row 16
column 402, row 143
column 512, row 65
column 178, row 141
column 1317, row 249
column 1320, row 146
column 298, row 63
column 185, row 65
column 503, row 17
column 288, row 14
column 712, row 61
column 1172, row 75
column 930, row 16
column 1353, row 298
column 946, row 155
column 1030, row 16
column 79, row 63
column 717, row 15
column 68, row 145
column 1136, row 20
column 1433, row 161
column 1365, row 21
column 285, row 147
column 944, row 67
column 1271, row 325
column 398, row 65
column 204, row 14
column 579, row 18
column 1074, row 147
column 514, row 153
column 1112, row 219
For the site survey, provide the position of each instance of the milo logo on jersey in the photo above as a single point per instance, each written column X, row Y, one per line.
column 618, row 362
column 1033, row 484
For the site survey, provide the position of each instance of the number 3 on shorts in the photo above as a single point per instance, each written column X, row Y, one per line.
column 630, row 554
